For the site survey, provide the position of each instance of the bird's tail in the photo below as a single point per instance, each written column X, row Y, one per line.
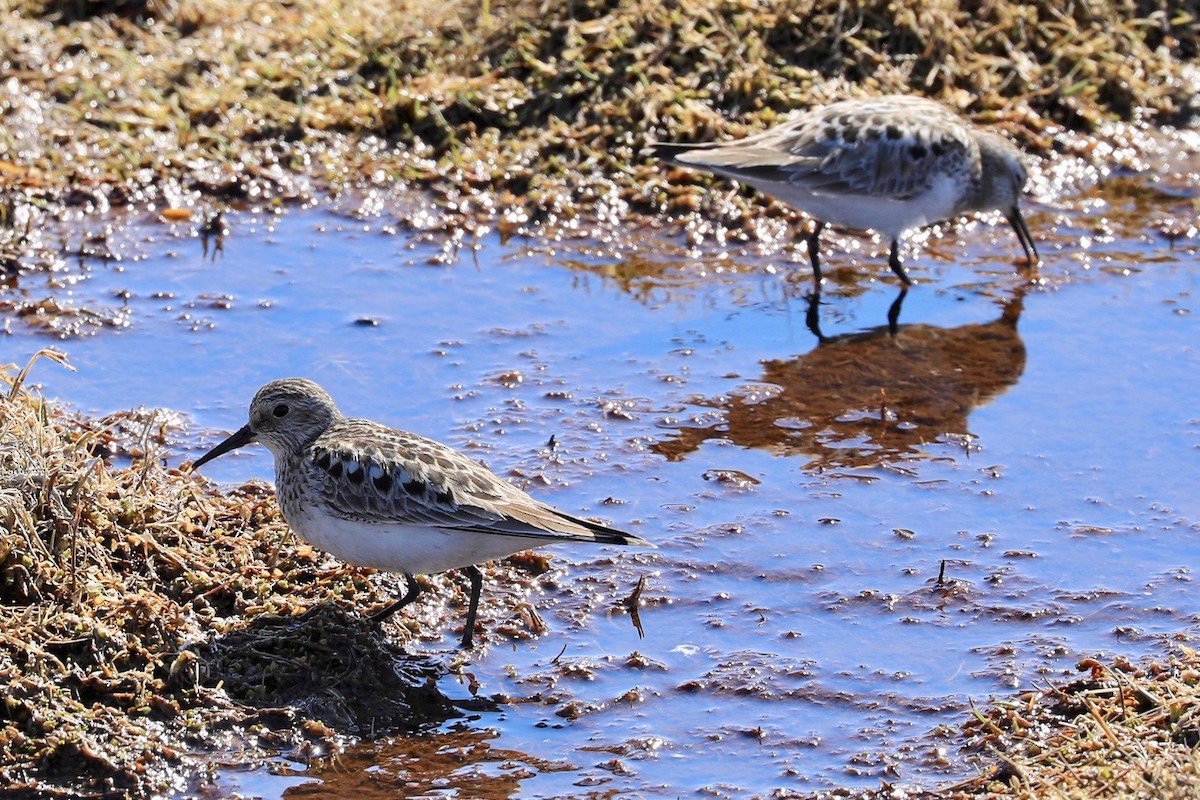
column 669, row 151
column 606, row 535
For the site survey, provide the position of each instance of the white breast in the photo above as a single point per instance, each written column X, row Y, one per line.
column 415, row 549
column 885, row 215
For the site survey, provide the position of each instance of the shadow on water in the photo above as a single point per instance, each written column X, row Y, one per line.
column 862, row 399
column 340, row 669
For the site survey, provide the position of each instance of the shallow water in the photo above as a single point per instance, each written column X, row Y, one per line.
column 1040, row 442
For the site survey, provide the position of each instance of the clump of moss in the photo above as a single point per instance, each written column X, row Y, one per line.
column 143, row 615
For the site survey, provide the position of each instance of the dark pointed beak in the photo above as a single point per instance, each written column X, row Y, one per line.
column 243, row 437
column 1023, row 235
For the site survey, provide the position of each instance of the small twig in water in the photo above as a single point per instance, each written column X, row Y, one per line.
column 633, row 602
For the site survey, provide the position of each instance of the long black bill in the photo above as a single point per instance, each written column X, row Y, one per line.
column 243, row 437
column 1023, row 235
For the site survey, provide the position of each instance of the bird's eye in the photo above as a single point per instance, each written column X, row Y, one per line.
column 280, row 410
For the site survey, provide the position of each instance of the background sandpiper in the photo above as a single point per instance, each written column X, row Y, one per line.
column 384, row 498
column 887, row 164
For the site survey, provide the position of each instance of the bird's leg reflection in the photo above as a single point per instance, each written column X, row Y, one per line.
column 812, row 316
column 894, row 311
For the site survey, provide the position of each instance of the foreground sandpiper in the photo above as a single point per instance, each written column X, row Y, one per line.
column 887, row 164
column 384, row 498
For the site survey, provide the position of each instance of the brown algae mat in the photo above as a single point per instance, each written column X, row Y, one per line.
column 147, row 619
column 525, row 114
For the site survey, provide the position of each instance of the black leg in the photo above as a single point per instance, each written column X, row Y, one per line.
column 814, row 250
column 476, row 579
column 894, row 263
column 410, row 594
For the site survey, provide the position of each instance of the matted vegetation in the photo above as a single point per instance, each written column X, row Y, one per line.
column 1121, row 731
column 526, row 110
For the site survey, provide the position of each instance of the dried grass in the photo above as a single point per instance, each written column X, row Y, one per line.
column 526, row 111
column 142, row 616
column 1122, row 731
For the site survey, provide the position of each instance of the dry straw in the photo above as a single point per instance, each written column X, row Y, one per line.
column 144, row 616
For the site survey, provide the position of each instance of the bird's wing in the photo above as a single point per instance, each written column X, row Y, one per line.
column 367, row 471
column 880, row 158
column 887, row 148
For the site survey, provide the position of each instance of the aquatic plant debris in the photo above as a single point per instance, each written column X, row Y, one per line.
column 1121, row 730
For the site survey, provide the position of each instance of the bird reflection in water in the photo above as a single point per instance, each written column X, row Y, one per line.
column 461, row 761
column 867, row 398
column 812, row 317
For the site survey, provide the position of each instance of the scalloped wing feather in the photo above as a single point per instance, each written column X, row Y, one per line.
column 880, row 148
column 368, row 472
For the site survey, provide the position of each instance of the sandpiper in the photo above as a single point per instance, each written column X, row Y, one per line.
column 887, row 164
column 384, row 498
